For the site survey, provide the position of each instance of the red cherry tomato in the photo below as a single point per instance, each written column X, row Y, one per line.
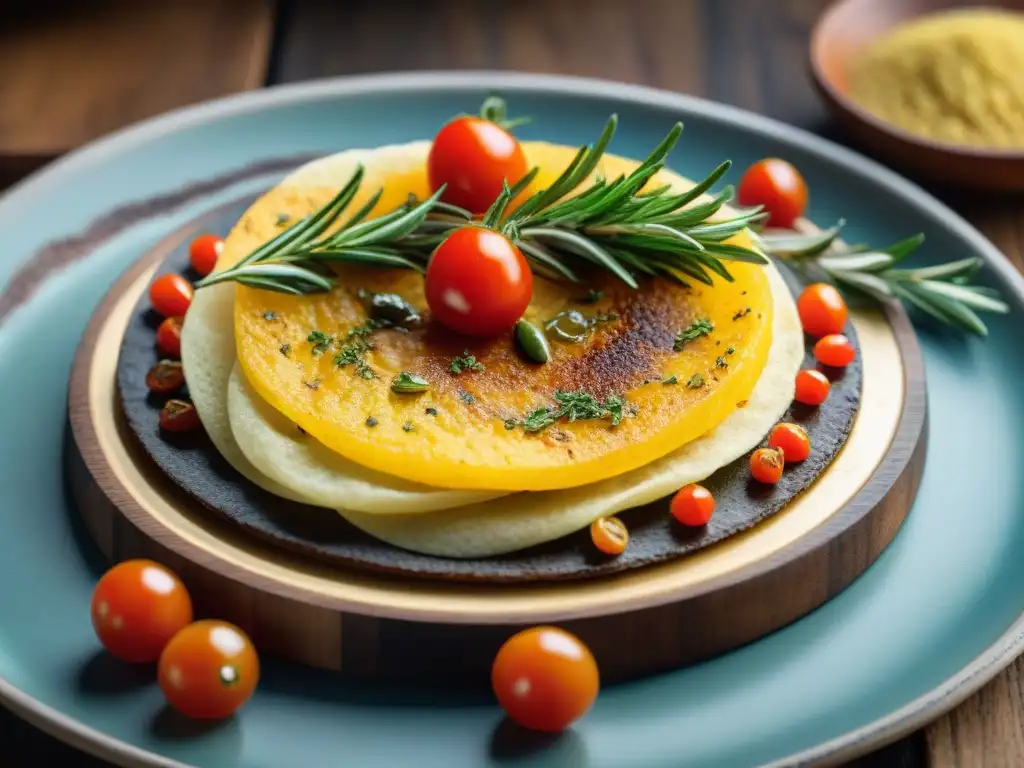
column 208, row 670
column 545, row 678
column 179, row 416
column 792, row 440
column 822, row 310
column 609, row 535
column 168, row 337
column 766, row 465
column 474, row 156
column 171, row 295
column 204, row 252
column 834, row 350
column 693, row 505
column 166, row 377
column 776, row 185
column 137, row 607
column 478, row 283
column 812, row 387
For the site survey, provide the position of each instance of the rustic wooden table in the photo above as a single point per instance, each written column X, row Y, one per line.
column 751, row 54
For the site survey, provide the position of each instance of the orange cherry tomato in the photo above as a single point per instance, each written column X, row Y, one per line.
column 166, row 377
column 776, row 185
column 171, row 295
column 792, row 440
column 822, row 310
column 478, row 283
column 545, row 678
column 208, row 670
column 474, row 157
column 812, row 387
column 609, row 535
column 204, row 252
column 766, row 465
column 168, row 337
column 693, row 505
column 834, row 350
column 137, row 607
column 179, row 416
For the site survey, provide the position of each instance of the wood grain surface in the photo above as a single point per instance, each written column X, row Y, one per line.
column 751, row 54
column 71, row 72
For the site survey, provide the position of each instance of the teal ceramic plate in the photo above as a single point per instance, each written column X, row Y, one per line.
column 935, row 617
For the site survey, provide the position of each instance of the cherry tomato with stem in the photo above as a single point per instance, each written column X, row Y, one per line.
column 478, row 283
column 778, row 186
column 473, row 157
column 609, row 535
column 822, row 310
column 545, row 678
column 792, row 440
column 179, row 416
column 812, row 387
column 203, row 253
column 166, row 377
column 834, row 350
column 171, row 295
column 208, row 670
column 766, row 465
column 137, row 607
column 168, row 337
column 693, row 505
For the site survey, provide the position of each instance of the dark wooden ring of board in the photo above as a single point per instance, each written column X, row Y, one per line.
column 418, row 640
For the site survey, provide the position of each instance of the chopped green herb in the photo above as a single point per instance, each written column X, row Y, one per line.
column 285, row 349
column 571, row 406
column 313, row 384
column 696, row 381
column 730, row 350
column 353, row 354
column 321, row 342
column 366, row 328
column 407, row 383
column 431, row 411
column 720, row 362
column 698, row 328
column 670, row 380
column 742, row 313
column 591, row 298
column 465, row 362
column 371, row 422
column 268, row 316
column 408, row 427
column 466, row 397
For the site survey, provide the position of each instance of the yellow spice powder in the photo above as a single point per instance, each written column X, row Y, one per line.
column 955, row 77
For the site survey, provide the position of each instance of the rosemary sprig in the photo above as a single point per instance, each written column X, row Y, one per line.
column 611, row 224
column 943, row 291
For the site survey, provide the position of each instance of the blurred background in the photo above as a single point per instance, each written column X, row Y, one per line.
column 74, row 70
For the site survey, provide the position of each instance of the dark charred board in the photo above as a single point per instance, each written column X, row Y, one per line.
column 194, row 464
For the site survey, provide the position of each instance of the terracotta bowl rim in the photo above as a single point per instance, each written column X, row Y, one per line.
column 819, row 31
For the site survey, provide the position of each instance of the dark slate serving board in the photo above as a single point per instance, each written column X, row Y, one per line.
column 193, row 464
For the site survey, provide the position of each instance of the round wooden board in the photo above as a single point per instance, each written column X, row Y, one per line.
column 637, row 623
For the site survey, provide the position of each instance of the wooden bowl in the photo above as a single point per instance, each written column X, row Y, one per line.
column 841, row 32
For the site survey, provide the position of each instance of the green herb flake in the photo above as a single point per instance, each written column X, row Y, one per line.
column 720, row 362
column 742, row 313
column 430, row 411
column 695, row 382
column 407, row 383
column 466, row 397
column 572, row 406
column 698, row 328
column 592, row 297
column 670, row 380
column 465, row 362
column 353, row 354
column 321, row 342
column 371, row 422
column 269, row 316
column 285, row 349
column 408, row 426
column 730, row 350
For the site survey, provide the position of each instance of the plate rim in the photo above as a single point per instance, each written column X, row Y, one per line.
column 910, row 716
